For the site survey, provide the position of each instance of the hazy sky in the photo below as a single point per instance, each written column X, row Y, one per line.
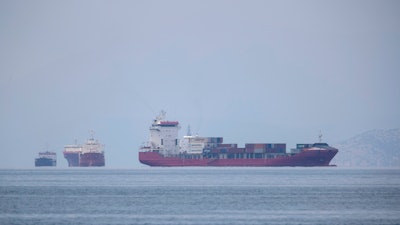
column 249, row 71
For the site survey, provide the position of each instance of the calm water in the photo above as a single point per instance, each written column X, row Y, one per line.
column 200, row 196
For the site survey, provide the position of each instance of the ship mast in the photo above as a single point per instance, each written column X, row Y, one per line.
column 320, row 137
column 91, row 134
column 161, row 116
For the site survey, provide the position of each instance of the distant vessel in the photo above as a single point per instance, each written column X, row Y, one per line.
column 88, row 154
column 164, row 149
column 46, row 159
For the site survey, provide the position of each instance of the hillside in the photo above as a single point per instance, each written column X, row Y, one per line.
column 375, row 148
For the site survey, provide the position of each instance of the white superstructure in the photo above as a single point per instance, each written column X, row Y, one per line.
column 48, row 155
column 164, row 135
column 73, row 148
column 192, row 144
column 164, row 139
column 91, row 145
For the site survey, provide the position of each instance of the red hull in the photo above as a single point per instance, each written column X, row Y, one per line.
column 84, row 160
column 305, row 158
column 92, row 159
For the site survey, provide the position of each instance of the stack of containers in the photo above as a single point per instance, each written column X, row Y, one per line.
column 266, row 148
column 227, row 145
column 236, row 150
column 276, row 148
column 301, row 146
column 216, row 140
column 255, row 148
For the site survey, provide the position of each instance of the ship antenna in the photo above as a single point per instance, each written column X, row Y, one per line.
column 161, row 116
column 320, row 137
column 189, row 133
column 92, row 134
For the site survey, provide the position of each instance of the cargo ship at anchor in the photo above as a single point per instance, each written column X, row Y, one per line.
column 164, row 149
column 46, row 159
column 88, row 154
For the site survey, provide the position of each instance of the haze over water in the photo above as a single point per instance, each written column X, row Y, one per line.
column 200, row 196
column 249, row 71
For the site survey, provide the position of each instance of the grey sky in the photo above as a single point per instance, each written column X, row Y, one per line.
column 250, row 71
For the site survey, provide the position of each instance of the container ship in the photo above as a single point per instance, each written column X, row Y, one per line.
column 86, row 155
column 165, row 149
column 46, row 159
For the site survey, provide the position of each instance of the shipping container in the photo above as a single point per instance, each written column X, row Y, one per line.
column 258, row 145
column 301, row 146
column 259, row 150
column 249, row 150
column 227, row 145
column 215, row 139
column 236, row 150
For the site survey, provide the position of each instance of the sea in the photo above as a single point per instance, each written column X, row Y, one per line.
column 317, row 195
